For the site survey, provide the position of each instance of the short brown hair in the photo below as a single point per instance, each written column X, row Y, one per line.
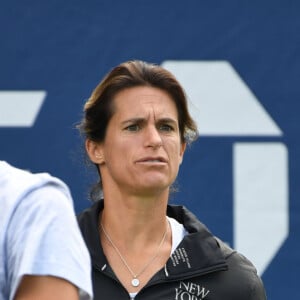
column 99, row 108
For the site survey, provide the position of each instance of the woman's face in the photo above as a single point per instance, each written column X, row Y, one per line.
column 142, row 149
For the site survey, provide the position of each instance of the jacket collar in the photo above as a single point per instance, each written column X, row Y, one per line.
column 199, row 251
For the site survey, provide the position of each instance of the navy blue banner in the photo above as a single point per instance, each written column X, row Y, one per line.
column 239, row 62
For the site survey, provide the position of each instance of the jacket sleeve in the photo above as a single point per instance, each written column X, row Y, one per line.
column 243, row 275
column 248, row 278
column 258, row 291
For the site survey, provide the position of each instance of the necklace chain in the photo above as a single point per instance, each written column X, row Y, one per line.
column 135, row 282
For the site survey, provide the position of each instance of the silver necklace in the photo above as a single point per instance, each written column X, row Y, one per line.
column 135, row 282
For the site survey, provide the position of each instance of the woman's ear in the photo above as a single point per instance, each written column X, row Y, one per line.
column 94, row 151
column 182, row 150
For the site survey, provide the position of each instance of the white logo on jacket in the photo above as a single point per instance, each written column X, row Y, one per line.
column 190, row 291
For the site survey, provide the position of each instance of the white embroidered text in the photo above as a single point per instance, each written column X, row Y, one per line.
column 190, row 291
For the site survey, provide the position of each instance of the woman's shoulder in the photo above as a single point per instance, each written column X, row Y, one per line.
column 241, row 273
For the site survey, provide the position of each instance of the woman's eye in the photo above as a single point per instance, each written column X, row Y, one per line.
column 133, row 127
column 166, row 127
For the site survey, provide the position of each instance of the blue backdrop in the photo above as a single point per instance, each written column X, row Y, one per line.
column 53, row 53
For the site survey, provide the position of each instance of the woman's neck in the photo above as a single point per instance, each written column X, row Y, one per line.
column 134, row 222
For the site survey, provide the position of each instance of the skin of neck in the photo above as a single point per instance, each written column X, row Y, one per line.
column 134, row 221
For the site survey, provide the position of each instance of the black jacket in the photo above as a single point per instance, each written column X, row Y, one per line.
column 202, row 266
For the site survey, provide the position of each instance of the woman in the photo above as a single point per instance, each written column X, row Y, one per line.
column 136, row 126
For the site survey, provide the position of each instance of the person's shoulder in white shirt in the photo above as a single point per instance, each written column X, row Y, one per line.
column 42, row 253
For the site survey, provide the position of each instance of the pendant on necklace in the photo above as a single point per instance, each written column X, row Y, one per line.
column 135, row 282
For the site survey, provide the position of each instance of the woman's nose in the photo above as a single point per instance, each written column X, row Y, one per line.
column 153, row 138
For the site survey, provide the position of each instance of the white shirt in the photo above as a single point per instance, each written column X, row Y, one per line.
column 39, row 234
